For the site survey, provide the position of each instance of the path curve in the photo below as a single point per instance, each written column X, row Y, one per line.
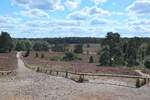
column 30, row 85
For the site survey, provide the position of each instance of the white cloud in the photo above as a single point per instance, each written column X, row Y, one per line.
column 97, row 11
column 52, row 23
column 99, row 21
column 140, row 22
column 117, row 13
column 99, row 1
column 88, row 12
column 6, row 19
column 71, row 5
column 40, row 4
column 78, row 15
column 141, row 29
column 139, row 7
column 33, row 13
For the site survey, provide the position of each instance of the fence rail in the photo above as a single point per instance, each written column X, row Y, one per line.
column 81, row 76
column 89, row 74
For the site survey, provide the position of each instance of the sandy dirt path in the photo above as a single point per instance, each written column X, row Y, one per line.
column 30, row 85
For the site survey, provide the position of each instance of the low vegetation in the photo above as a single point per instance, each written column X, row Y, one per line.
column 112, row 51
column 8, row 61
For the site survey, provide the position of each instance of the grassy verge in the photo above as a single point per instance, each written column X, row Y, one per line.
column 54, row 66
column 3, row 57
column 32, row 66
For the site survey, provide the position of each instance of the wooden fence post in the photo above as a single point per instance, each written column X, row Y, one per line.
column 81, row 79
column 66, row 75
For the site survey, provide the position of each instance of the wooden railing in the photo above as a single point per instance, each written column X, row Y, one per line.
column 80, row 77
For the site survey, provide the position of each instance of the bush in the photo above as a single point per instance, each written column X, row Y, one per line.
column 27, row 53
column 91, row 60
column 42, row 55
column 55, row 58
column 36, row 54
column 78, row 48
column 147, row 63
column 140, row 82
column 69, row 56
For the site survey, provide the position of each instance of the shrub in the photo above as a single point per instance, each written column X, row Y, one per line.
column 91, row 60
column 27, row 53
column 69, row 56
column 78, row 48
column 42, row 55
column 147, row 63
column 55, row 58
column 140, row 82
column 36, row 54
column 77, row 58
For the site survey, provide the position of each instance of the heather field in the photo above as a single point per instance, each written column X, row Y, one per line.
column 8, row 61
column 75, row 66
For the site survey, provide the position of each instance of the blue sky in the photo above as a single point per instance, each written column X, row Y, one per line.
column 65, row 18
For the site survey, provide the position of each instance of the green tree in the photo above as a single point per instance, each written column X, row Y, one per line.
column 148, row 49
column 142, row 52
column 91, row 60
column 104, row 56
column 37, row 46
column 59, row 48
column 28, row 45
column 69, row 56
column 111, row 53
column 41, row 46
column 78, row 48
column 20, row 46
column 147, row 63
column 132, row 51
column 6, row 42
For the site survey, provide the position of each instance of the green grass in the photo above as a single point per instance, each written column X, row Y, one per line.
column 54, row 66
column 32, row 66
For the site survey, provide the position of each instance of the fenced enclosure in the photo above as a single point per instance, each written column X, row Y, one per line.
column 132, row 81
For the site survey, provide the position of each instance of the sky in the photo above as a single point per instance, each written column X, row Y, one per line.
column 74, row 18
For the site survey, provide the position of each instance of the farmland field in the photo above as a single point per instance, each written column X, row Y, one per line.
column 8, row 61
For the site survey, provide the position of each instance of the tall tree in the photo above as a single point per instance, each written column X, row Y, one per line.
column 111, row 53
column 6, row 42
column 132, row 51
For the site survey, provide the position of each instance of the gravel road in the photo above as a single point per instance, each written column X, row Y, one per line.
column 30, row 85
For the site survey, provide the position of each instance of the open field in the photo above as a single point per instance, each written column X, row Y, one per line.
column 75, row 66
column 8, row 61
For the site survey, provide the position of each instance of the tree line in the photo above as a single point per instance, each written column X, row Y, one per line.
column 118, row 51
column 115, row 50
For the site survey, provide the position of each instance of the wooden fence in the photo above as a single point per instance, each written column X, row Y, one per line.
column 80, row 77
